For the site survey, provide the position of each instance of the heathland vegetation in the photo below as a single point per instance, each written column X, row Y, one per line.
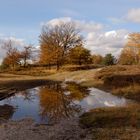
column 62, row 55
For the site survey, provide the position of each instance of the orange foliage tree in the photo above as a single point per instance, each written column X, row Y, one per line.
column 130, row 53
column 56, row 41
column 97, row 59
column 128, row 56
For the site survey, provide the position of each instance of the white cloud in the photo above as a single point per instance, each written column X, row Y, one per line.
column 134, row 15
column 82, row 25
column 97, row 40
column 107, row 42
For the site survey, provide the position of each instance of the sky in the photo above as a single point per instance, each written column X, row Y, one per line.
column 105, row 24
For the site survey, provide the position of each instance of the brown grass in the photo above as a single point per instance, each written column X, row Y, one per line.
column 128, row 133
column 118, row 70
column 120, row 80
column 113, row 123
column 112, row 117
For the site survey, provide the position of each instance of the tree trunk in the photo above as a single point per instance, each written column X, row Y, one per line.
column 58, row 66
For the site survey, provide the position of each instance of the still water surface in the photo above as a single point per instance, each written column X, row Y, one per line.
column 54, row 102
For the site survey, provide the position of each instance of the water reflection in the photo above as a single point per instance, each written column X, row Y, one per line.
column 55, row 104
column 48, row 103
column 56, row 101
column 98, row 98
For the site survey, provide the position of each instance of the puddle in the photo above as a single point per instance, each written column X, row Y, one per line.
column 54, row 102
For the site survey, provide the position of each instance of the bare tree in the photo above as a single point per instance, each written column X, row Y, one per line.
column 13, row 56
column 26, row 54
column 56, row 41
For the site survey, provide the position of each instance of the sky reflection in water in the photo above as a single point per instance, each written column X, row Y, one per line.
column 54, row 102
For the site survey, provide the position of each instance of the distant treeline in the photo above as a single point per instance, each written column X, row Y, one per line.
column 63, row 44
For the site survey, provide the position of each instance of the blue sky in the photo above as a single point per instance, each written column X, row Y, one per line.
column 22, row 18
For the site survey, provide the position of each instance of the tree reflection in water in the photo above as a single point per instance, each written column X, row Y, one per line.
column 56, row 105
column 48, row 103
column 28, row 95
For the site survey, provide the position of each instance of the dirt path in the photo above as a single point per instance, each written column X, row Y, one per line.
column 22, row 82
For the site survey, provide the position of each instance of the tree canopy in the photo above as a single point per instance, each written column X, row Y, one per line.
column 56, row 41
column 79, row 55
column 109, row 59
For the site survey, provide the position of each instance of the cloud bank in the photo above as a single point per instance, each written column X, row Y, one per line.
column 97, row 39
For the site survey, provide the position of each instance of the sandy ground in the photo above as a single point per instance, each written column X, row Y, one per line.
column 26, row 129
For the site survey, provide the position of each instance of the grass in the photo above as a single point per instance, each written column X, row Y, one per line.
column 120, row 80
column 81, row 76
column 128, row 133
column 129, row 92
column 113, row 123
column 112, row 117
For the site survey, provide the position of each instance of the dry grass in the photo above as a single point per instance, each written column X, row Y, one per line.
column 37, row 71
column 128, row 133
column 112, row 117
column 80, row 67
column 81, row 76
column 118, row 70
column 120, row 80
column 113, row 123
column 130, row 92
column 106, row 123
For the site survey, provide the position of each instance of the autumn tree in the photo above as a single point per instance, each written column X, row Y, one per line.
column 79, row 55
column 26, row 54
column 128, row 56
column 56, row 41
column 97, row 59
column 133, row 44
column 133, row 40
column 13, row 56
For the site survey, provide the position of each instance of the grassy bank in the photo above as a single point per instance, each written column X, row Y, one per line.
column 113, row 123
column 120, row 80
